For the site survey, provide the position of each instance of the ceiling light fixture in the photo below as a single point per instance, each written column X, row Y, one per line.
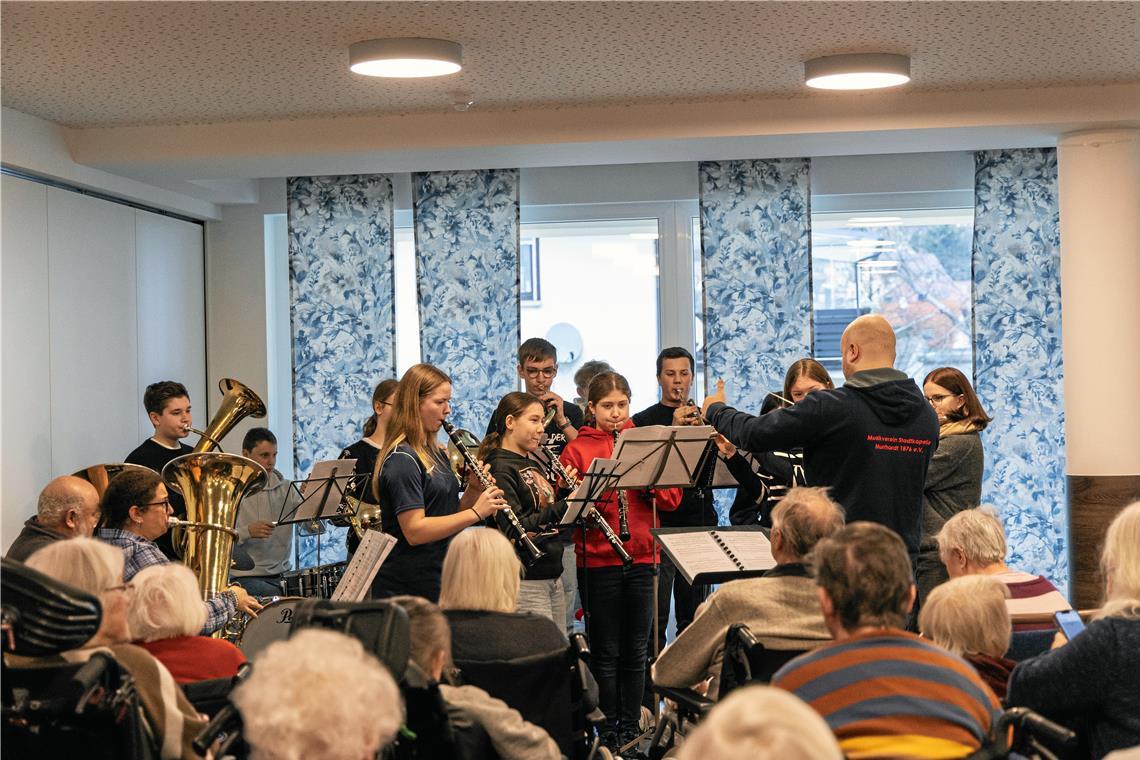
column 405, row 57
column 857, row 71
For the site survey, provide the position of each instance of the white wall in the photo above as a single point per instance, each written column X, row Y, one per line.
column 236, row 308
column 99, row 299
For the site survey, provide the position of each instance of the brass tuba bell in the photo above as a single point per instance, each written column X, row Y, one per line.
column 212, row 485
column 238, row 402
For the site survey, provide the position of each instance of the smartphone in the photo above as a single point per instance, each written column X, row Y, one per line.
column 1070, row 623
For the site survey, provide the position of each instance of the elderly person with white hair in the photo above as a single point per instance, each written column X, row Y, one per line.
column 967, row 616
column 972, row 542
column 1093, row 682
column 318, row 695
column 97, row 568
column 479, row 592
column 165, row 615
column 761, row 723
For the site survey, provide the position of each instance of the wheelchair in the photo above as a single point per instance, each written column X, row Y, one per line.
column 1022, row 733
column 746, row 660
column 560, row 677
column 55, row 708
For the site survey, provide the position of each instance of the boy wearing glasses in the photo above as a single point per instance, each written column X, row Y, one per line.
column 537, row 367
column 167, row 404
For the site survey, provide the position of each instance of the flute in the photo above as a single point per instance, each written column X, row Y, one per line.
column 591, row 514
column 534, row 554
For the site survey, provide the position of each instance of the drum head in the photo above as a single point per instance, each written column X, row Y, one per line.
column 273, row 623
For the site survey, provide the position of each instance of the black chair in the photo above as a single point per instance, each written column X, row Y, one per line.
column 1020, row 732
column 60, row 709
column 746, row 660
column 1026, row 644
column 547, row 689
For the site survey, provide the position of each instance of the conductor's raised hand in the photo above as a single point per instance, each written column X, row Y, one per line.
column 715, row 398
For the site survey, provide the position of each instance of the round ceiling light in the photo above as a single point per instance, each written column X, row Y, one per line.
column 857, row 71
column 405, row 57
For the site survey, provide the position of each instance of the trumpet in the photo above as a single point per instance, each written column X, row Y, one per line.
column 623, row 505
column 592, row 514
column 534, row 554
column 696, row 416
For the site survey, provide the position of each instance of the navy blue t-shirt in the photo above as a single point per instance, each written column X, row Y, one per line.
column 404, row 485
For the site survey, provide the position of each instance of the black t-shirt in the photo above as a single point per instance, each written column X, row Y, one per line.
column 696, row 503
column 365, row 453
column 555, row 436
column 406, row 485
column 154, row 455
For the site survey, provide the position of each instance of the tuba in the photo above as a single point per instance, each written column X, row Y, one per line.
column 213, row 484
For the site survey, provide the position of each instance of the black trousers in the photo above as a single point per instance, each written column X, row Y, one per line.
column 619, row 622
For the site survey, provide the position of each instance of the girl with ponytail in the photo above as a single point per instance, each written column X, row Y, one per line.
column 516, row 431
column 365, row 450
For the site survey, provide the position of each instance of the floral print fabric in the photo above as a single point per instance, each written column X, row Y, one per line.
column 1017, row 353
column 467, row 256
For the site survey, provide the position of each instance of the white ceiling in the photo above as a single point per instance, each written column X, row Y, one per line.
column 199, row 99
column 100, row 64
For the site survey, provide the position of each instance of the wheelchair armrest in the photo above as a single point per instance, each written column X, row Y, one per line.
column 688, row 700
column 580, row 647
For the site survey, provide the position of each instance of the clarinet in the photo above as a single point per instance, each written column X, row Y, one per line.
column 534, row 554
column 592, row 514
column 623, row 505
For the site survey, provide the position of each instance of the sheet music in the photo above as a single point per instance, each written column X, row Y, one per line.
column 697, row 552
column 750, row 547
column 661, row 456
column 585, row 487
column 330, row 478
column 358, row 576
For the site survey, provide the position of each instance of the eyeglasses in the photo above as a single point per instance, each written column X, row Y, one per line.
column 124, row 588
column 544, row 371
column 164, row 503
column 939, row 398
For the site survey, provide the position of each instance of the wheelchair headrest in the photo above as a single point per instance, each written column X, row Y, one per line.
column 47, row 617
column 381, row 626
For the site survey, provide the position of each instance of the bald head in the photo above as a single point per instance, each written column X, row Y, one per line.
column 69, row 505
column 867, row 343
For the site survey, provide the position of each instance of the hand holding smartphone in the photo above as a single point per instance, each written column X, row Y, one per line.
column 1070, row 623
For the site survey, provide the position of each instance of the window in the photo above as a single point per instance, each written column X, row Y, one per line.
column 913, row 267
column 598, row 282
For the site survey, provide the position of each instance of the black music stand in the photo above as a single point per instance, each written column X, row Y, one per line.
column 322, row 494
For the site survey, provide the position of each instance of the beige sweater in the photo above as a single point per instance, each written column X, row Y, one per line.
column 781, row 611
column 513, row 737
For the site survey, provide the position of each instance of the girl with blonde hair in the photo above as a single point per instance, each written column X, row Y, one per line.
column 418, row 493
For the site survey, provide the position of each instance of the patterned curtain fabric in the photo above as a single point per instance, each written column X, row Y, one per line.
column 1017, row 360
column 342, row 308
column 756, row 266
column 467, row 255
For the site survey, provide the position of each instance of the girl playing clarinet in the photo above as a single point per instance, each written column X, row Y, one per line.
column 417, row 491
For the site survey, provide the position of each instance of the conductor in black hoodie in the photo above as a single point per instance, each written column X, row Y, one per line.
column 869, row 442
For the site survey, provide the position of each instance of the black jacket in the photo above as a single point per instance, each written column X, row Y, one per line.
column 870, row 442
column 531, row 495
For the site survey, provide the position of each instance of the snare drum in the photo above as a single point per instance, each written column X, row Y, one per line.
column 313, row 581
column 273, row 623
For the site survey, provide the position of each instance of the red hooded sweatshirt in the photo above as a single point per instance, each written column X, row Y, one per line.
column 591, row 444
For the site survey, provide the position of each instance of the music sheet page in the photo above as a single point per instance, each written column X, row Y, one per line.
column 696, row 553
column 750, row 547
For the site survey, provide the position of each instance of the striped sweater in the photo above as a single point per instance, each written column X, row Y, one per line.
column 888, row 693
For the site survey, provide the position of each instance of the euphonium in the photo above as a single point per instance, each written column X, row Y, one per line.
column 100, row 475
column 358, row 515
column 238, row 402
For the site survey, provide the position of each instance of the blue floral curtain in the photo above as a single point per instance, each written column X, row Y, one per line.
column 467, row 258
column 756, row 268
column 342, row 308
column 1017, row 361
